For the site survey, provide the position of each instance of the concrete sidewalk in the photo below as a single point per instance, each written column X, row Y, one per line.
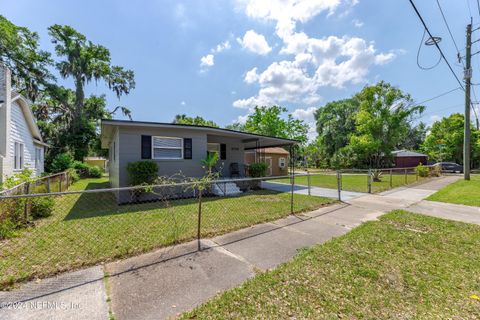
column 172, row 280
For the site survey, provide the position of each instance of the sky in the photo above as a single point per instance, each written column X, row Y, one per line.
column 218, row 59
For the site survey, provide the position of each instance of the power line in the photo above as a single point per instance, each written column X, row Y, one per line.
column 435, row 42
column 418, row 55
column 438, row 96
column 478, row 6
column 450, row 32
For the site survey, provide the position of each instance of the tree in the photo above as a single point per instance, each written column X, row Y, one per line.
column 445, row 140
column 414, row 138
column 19, row 51
column 383, row 120
column 198, row 121
column 335, row 123
column 268, row 121
column 84, row 62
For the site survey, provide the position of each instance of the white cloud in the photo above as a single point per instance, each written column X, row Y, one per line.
column 357, row 23
column 287, row 12
column 435, row 118
column 207, row 61
column 254, row 42
column 313, row 63
column 307, row 115
column 222, row 47
column 183, row 103
column 251, row 76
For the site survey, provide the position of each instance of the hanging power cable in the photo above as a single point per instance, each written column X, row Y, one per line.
column 435, row 43
column 418, row 55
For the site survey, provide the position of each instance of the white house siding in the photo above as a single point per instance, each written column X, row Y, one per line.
column 20, row 132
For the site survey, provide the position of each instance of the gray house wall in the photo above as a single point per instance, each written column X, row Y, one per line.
column 235, row 153
column 131, row 146
column 114, row 160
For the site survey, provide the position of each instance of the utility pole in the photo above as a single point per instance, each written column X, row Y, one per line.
column 467, row 77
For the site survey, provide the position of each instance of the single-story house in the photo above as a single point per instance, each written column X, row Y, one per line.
column 21, row 144
column 276, row 159
column 406, row 158
column 177, row 147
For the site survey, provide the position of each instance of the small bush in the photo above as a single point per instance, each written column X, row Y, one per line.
column 422, row 171
column 42, row 207
column 61, row 162
column 377, row 175
column 94, row 172
column 142, row 172
column 74, row 177
column 258, row 169
column 7, row 229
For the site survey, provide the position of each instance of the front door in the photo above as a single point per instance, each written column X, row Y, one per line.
column 268, row 161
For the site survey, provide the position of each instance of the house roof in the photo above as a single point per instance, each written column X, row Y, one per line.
column 24, row 104
column 407, row 153
column 250, row 140
column 273, row 150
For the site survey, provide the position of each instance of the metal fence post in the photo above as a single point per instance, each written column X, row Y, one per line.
column 406, row 177
column 199, row 219
column 339, row 185
column 391, row 179
column 48, row 185
column 60, row 183
column 369, row 181
column 292, row 189
column 26, row 210
column 309, row 183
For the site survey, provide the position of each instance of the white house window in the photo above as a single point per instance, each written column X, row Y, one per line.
column 18, row 156
column 282, row 162
column 38, row 157
column 167, row 148
column 213, row 148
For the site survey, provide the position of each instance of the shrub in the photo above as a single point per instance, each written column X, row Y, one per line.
column 42, row 207
column 61, row 162
column 258, row 169
column 422, row 171
column 74, row 177
column 377, row 175
column 142, row 172
column 94, row 172
column 7, row 229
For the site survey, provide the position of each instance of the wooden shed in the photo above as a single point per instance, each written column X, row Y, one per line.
column 406, row 158
column 276, row 158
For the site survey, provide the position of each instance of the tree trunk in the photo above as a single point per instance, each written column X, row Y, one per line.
column 79, row 96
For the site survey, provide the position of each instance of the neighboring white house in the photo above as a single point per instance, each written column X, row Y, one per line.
column 21, row 145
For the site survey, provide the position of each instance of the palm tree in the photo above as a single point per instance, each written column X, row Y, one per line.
column 210, row 161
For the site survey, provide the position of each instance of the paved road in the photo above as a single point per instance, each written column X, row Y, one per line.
column 316, row 191
column 170, row 281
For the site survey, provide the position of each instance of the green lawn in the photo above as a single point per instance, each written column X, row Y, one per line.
column 89, row 228
column 404, row 266
column 353, row 182
column 460, row 192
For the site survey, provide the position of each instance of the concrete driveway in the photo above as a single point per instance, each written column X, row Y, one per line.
column 315, row 191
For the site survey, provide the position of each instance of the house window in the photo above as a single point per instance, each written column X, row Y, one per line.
column 38, row 157
column 167, row 148
column 213, row 148
column 282, row 162
column 18, row 156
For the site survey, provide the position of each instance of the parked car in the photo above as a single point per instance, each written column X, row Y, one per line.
column 450, row 167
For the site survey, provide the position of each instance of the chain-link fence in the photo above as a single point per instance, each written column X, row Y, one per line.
column 45, row 233
column 42, row 234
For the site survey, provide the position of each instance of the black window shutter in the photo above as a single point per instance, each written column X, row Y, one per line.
column 187, row 148
column 146, row 147
column 223, row 151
